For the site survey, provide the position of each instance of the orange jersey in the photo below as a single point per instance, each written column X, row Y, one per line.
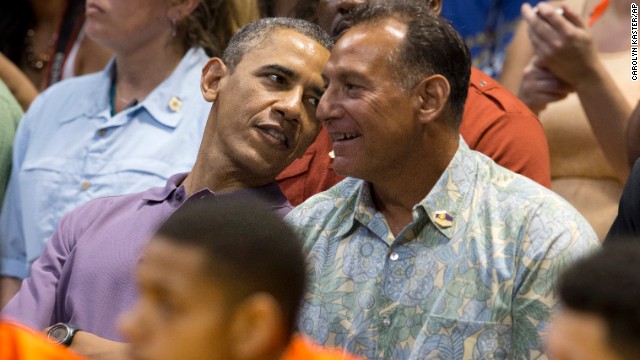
column 20, row 343
column 302, row 348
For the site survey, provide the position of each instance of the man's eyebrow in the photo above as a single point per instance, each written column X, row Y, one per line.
column 316, row 90
column 281, row 69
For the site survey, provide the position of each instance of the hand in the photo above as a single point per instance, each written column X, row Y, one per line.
column 561, row 42
column 539, row 88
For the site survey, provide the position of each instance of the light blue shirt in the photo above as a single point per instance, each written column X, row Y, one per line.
column 472, row 277
column 69, row 149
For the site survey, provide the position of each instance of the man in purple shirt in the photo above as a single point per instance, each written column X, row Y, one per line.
column 264, row 91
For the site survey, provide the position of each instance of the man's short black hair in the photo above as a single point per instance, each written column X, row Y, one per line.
column 607, row 284
column 431, row 46
column 247, row 248
column 255, row 34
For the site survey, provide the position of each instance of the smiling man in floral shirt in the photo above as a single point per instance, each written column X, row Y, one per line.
column 429, row 249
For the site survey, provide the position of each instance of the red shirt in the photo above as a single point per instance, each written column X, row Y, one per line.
column 495, row 122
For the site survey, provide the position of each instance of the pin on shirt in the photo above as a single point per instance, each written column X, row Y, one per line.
column 175, row 104
column 443, row 219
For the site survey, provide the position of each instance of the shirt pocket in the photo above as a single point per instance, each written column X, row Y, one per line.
column 454, row 339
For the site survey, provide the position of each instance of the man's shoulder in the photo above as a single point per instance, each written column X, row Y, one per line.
column 524, row 202
column 511, row 186
column 97, row 210
column 322, row 207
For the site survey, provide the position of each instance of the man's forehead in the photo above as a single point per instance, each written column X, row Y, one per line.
column 385, row 33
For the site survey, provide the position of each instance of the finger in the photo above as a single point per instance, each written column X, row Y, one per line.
column 542, row 80
column 556, row 18
column 573, row 17
column 542, row 48
column 528, row 13
column 542, row 28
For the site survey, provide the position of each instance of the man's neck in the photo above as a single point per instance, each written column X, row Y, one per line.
column 396, row 195
column 219, row 175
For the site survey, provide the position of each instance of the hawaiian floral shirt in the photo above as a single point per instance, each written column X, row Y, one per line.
column 471, row 278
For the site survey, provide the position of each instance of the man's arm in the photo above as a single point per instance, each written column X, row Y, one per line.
column 97, row 348
column 556, row 236
column 35, row 304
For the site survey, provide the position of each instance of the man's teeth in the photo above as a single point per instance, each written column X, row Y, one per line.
column 344, row 136
column 276, row 135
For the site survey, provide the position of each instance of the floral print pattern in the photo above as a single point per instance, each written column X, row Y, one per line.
column 479, row 289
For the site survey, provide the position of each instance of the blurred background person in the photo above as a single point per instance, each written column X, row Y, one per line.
column 487, row 27
column 599, row 317
column 10, row 114
column 43, row 42
column 222, row 265
column 579, row 83
column 122, row 130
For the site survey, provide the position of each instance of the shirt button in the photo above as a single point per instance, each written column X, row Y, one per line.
column 394, row 256
column 85, row 185
column 483, row 83
column 179, row 196
column 102, row 132
column 386, row 321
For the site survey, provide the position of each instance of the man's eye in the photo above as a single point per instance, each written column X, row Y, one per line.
column 314, row 101
column 277, row 78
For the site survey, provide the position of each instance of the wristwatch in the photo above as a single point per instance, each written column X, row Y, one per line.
column 62, row 334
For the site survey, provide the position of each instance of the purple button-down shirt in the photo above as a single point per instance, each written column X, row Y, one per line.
column 85, row 275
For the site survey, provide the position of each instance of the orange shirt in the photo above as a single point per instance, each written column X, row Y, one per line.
column 302, row 348
column 20, row 343
column 495, row 122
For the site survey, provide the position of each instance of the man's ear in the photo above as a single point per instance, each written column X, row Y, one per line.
column 258, row 328
column 435, row 6
column 180, row 9
column 432, row 94
column 213, row 73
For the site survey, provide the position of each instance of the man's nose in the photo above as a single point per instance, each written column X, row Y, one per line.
column 328, row 108
column 290, row 104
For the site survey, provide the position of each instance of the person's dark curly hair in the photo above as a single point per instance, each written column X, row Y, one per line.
column 607, row 284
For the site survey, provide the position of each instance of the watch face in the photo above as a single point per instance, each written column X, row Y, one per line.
column 58, row 333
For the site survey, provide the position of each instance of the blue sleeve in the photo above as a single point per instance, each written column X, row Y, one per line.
column 13, row 261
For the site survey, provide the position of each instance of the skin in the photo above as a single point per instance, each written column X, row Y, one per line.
column 274, row 88
column 377, row 129
column 181, row 313
column 579, row 336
